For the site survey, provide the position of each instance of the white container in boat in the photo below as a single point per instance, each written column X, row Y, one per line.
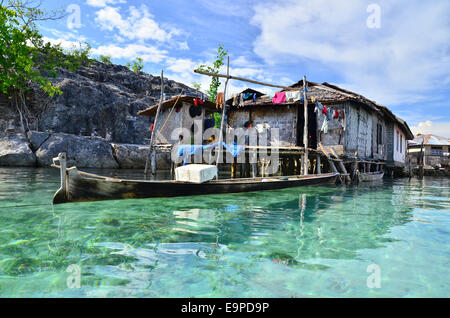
column 195, row 173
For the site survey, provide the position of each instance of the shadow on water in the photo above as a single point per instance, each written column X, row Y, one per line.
column 150, row 245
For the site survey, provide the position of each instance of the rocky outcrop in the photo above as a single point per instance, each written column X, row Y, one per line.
column 134, row 156
column 15, row 150
column 96, row 112
column 83, row 152
column 100, row 100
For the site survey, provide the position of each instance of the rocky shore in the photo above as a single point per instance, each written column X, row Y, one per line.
column 38, row 149
column 94, row 121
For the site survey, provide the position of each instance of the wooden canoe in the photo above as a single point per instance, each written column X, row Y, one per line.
column 370, row 176
column 78, row 186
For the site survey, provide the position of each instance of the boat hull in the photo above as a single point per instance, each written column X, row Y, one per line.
column 80, row 188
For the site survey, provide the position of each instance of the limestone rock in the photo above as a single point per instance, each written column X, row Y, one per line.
column 83, row 152
column 37, row 138
column 130, row 156
column 15, row 151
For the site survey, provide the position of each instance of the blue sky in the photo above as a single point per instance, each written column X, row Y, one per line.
column 394, row 52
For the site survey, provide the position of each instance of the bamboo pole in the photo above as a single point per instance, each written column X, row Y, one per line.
column 224, row 107
column 227, row 76
column 305, row 128
column 151, row 152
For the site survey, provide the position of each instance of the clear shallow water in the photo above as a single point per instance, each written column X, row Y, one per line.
column 304, row 242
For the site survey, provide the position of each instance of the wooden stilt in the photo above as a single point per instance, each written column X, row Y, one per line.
column 318, row 163
column 305, row 129
column 233, row 169
column 151, row 153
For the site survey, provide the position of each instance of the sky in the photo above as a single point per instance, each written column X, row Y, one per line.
column 394, row 52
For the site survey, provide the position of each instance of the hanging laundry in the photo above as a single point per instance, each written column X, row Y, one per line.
column 247, row 96
column 219, row 100
column 198, row 102
column 324, row 110
column 254, row 98
column 235, row 99
column 270, row 94
column 325, row 125
column 336, row 114
column 279, row 98
column 241, row 100
column 319, row 106
column 293, row 96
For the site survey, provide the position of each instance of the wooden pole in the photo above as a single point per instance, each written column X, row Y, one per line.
column 224, row 107
column 421, row 161
column 305, row 128
column 228, row 76
column 319, row 170
column 151, row 152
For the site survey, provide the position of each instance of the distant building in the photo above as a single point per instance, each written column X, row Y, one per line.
column 435, row 150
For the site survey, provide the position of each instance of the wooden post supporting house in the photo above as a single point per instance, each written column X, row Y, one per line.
column 305, row 128
column 151, row 152
column 319, row 170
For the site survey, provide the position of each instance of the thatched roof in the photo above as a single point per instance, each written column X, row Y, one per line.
column 330, row 94
column 151, row 111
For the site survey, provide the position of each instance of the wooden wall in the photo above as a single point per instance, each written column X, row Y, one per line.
column 282, row 117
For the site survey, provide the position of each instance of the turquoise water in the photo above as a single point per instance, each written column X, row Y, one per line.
column 304, row 242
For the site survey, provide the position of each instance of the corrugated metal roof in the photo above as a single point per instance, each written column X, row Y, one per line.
column 431, row 140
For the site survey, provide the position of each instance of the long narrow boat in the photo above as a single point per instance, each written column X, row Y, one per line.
column 78, row 186
column 370, row 176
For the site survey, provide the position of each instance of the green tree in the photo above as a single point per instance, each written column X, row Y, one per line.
column 215, row 83
column 105, row 59
column 24, row 56
column 137, row 65
column 197, row 86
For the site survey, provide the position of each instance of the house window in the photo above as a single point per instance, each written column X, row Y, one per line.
column 396, row 137
column 437, row 151
column 401, row 143
column 379, row 134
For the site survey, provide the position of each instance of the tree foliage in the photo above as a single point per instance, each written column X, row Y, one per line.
column 215, row 83
column 105, row 59
column 25, row 57
column 137, row 65
column 217, row 64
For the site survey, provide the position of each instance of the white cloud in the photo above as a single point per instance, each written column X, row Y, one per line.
column 400, row 61
column 139, row 25
column 436, row 128
column 65, row 44
column 103, row 3
column 131, row 51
